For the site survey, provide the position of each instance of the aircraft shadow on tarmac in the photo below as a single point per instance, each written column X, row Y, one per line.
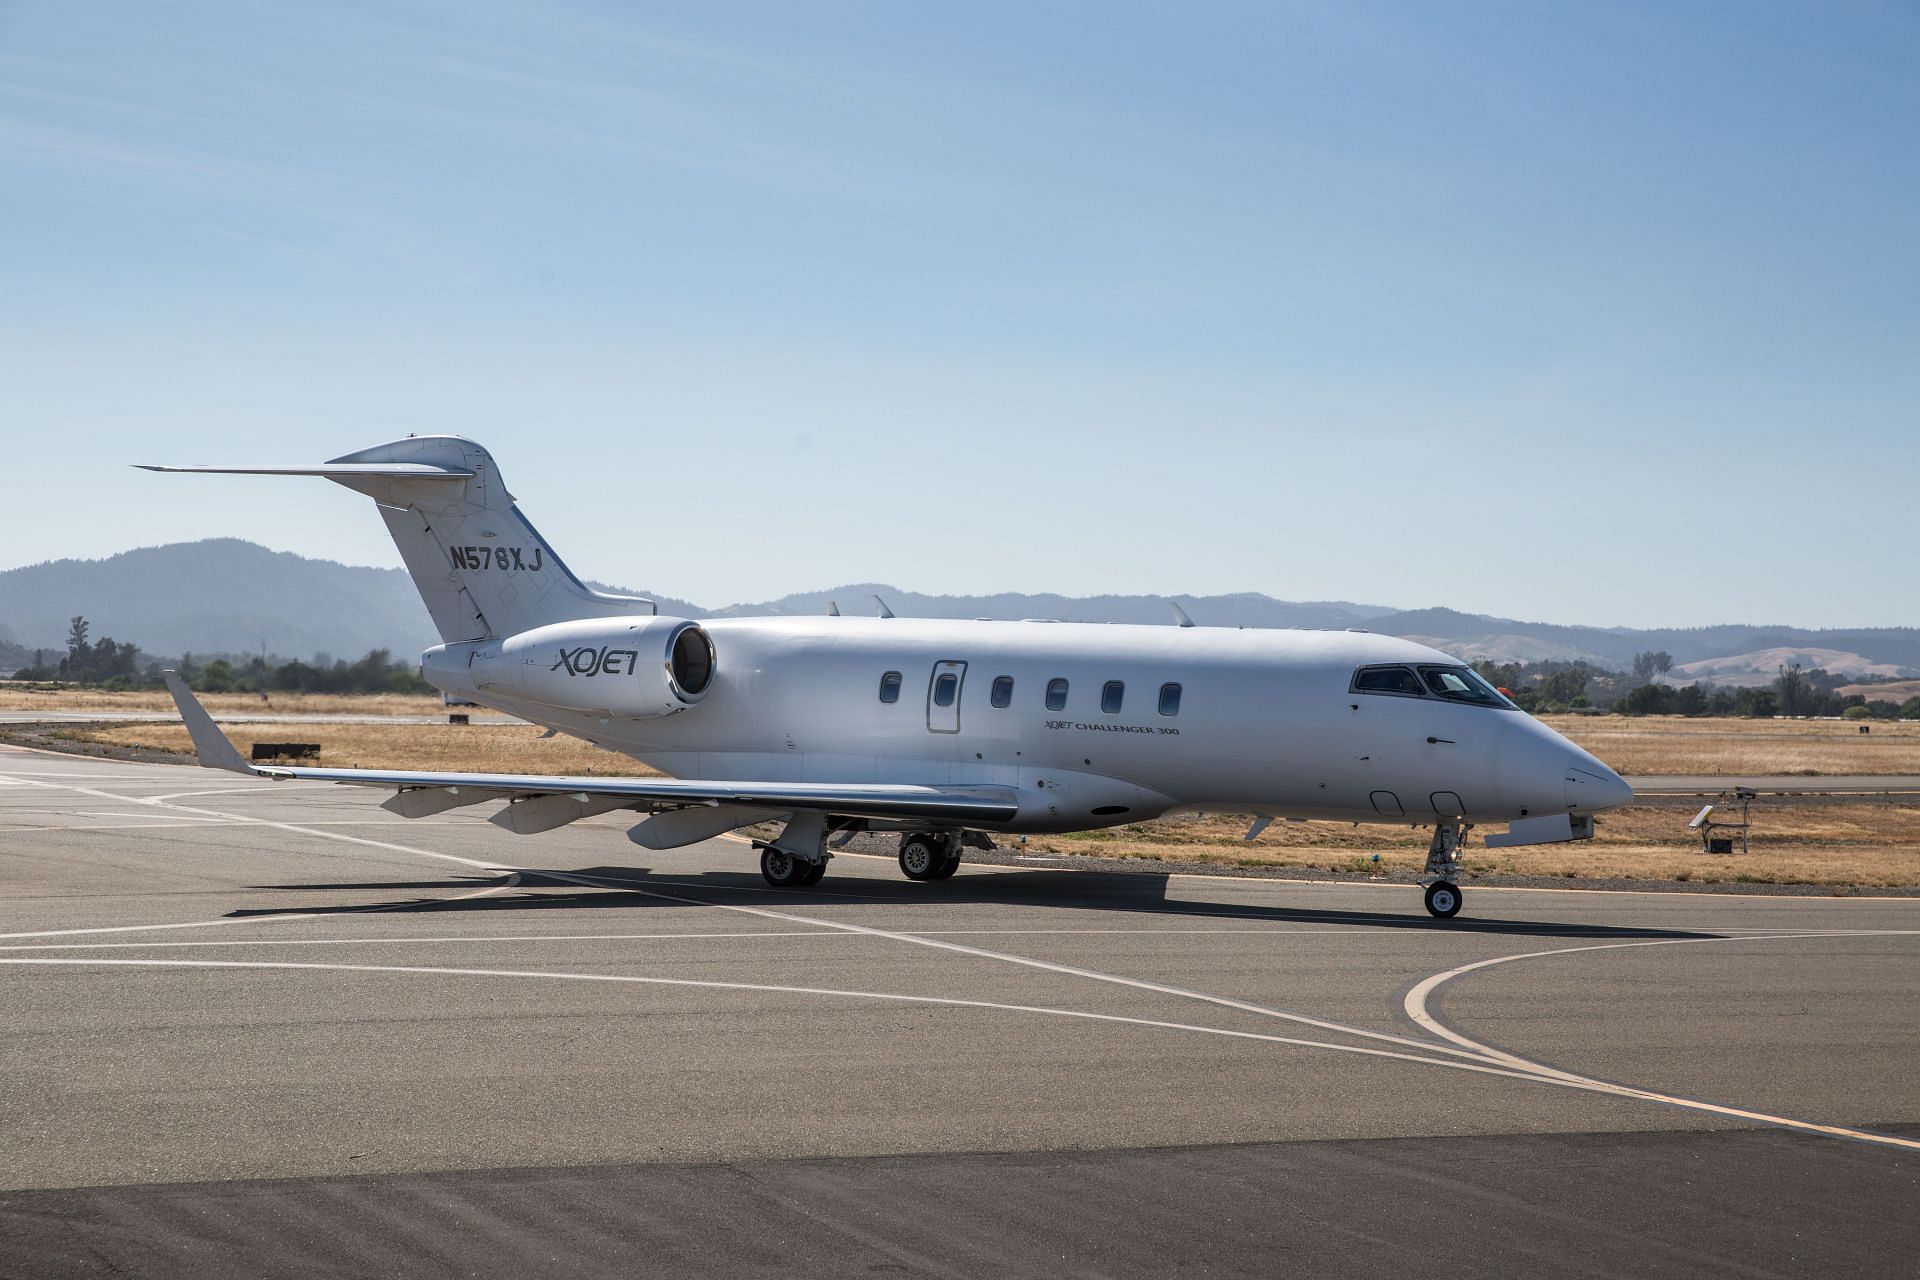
column 628, row 888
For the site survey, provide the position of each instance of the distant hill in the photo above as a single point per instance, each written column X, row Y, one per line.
column 228, row 595
column 1861, row 651
column 222, row 594
column 1762, row 665
column 1892, row 691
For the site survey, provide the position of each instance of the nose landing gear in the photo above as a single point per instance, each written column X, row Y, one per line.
column 1443, row 899
column 1443, row 868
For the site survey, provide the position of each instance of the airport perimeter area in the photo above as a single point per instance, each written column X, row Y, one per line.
column 269, row 1029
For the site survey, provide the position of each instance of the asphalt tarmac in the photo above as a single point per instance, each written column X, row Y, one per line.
column 267, row 1029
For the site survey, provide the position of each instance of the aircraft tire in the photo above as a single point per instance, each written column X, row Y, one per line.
column 781, row 869
column 815, row 870
column 920, row 857
column 947, row 868
column 1443, row 899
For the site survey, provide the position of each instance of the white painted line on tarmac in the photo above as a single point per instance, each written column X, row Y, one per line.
column 408, row 941
column 1479, row 1059
column 187, row 795
column 1416, row 999
column 512, row 880
column 915, row 940
column 1840, row 894
column 921, row 940
column 493, row 939
column 911, row 939
column 174, row 825
column 295, row 829
column 709, row 984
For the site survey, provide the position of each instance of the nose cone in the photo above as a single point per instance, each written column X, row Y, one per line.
column 1591, row 786
column 1547, row 773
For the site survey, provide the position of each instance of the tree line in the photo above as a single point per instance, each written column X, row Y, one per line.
column 1540, row 687
column 1548, row 687
column 111, row 664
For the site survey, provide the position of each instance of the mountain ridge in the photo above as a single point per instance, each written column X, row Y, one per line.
column 227, row 594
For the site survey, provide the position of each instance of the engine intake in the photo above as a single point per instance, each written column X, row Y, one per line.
column 643, row 669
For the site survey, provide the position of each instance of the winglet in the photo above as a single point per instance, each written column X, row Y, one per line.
column 209, row 743
column 1180, row 618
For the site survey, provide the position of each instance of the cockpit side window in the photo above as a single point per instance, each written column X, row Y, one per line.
column 1396, row 680
column 1463, row 684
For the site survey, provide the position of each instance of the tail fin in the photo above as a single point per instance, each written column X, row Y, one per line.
column 480, row 567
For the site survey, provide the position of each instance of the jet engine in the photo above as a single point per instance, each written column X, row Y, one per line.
column 633, row 669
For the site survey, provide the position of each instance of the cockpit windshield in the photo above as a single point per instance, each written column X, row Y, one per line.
column 1400, row 680
column 1463, row 684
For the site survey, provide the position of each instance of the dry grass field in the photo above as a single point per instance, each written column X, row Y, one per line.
column 47, row 698
column 482, row 748
column 1797, row 840
column 1675, row 744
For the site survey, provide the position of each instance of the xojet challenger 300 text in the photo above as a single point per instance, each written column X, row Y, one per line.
column 947, row 732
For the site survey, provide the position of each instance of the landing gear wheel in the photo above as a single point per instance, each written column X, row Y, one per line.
column 946, row 869
column 1443, row 899
column 815, row 870
column 781, row 869
column 921, row 857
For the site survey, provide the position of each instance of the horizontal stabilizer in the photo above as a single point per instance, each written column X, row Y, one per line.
column 331, row 470
column 481, row 568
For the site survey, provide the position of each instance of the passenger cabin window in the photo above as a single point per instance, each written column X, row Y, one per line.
column 890, row 687
column 1463, row 684
column 1002, row 691
column 944, row 689
column 1056, row 694
column 1169, row 699
column 1111, row 695
column 1397, row 680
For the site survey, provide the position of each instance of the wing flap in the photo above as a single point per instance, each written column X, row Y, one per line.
column 869, row 800
column 966, row 805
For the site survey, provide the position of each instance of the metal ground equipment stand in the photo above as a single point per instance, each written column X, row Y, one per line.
column 1710, row 827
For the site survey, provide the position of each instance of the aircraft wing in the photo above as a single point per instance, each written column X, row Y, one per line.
column 423, row 792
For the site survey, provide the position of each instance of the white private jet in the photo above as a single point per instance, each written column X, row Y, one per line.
column 943, row 731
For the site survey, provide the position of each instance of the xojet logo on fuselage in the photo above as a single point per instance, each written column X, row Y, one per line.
column 588, row 661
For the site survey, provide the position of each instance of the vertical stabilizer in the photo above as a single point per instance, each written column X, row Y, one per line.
column 480, row 567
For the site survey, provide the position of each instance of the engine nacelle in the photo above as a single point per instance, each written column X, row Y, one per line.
column 635, row 669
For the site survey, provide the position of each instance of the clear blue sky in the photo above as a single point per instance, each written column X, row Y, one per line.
column 1589, row 312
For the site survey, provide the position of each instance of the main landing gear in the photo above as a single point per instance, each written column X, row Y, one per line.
column 797, row 857
column 930, row 855
column 1443, row 869
column 785, row 870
